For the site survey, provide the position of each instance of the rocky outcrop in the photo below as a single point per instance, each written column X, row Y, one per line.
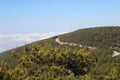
column 115, row 53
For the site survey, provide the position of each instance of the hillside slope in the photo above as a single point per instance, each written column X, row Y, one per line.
column 102, row 37
column 105, row 40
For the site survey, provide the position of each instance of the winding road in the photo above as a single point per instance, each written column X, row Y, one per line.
column 72, row 44
column 115, row 53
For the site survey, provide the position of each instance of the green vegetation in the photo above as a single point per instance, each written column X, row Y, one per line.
column 55, row 63
column 47, row 63
column 102, row 37
column 6, row 56
column 51, row 61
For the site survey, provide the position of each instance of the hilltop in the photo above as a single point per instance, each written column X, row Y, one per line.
column 102, row 37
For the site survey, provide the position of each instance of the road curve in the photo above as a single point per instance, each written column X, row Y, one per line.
column 72, row 44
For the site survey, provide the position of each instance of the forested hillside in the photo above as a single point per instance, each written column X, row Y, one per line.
column 49, row 60
column 102, row 37
column 58, row 63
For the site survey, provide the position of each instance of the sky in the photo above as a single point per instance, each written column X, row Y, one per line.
column 25, row 17
column 33, row 16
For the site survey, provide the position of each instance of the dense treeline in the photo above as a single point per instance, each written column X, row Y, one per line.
column 47, row 63
column 99, row 37
column 55, row 63
column 6, row 56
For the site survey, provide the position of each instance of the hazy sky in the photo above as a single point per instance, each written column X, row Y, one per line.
column 35, row 16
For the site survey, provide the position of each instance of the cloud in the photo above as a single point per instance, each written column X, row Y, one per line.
column 14, row 40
